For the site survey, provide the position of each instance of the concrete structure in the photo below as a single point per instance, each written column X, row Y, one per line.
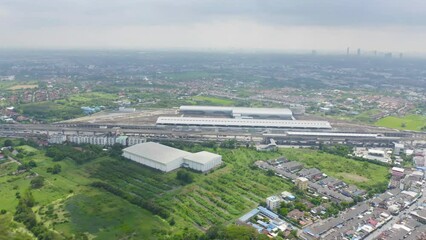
column 166, row 159
column 273, row 202
column 239, row 112
column 288, row 196
column 375, row 152
column 245, row 123
column 96, row 140
column 398, row 148
column 302, row 183
column 202, row 161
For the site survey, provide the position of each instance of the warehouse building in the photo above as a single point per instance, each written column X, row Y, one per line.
column 248, row 123
column 166, row 159
column 239, row 112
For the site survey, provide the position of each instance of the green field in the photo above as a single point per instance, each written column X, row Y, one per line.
column 368, row 176
column 66, row 108
column 77, row 208
column 69, row 204
column 49, row 111
column 90, row 99
column 208, row 100
column 410, row 122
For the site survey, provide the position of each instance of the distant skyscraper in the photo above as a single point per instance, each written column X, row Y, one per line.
column 400, row 55
column 314, row 52
column 375, row 52
column 347, row 51
column 358, row 52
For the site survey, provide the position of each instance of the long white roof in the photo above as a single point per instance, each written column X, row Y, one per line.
column 239, row 110
column 205, row 108
column 202, row 157
column 231, row 122
column 333, row 134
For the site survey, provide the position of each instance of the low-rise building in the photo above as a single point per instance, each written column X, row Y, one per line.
column 273, row 202
column 302, row 183
column 166, row 159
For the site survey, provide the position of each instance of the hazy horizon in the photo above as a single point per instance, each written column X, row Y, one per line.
column 286, row 26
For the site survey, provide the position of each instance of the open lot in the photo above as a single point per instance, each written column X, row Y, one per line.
column 410, row 122
column 23, row 86
column 365, row 175
column 208, row 100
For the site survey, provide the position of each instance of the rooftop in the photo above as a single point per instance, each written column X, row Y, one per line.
column 157, row 152
column 239, row 110
column 201, row 157
column 232, row 122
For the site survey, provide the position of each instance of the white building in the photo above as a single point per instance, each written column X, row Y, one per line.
column 57, row 139
column 166, row 159
column 273, row 202
column 248, row 123
column 239, row 112
column 97, row 140
column 202, row 161
column 398, row 148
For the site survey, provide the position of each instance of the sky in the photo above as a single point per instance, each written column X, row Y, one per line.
column 286, row 25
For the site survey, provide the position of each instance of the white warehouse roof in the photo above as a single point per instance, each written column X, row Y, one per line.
column 239, row 111
column 166, row 158
column 157, row 152
column 231, row 122
column 205, row 108
column 333, row 134
column 202, row 157
column 261, row 111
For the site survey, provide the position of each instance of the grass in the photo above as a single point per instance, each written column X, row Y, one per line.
column 213, row 101
column 76, row 207
column 90, row 99
column 23, row 86
column 108, row 217
column 10, row 230
column 411, row 122
column 362, row 174
column 70, row 206
column 49, row 111
column 66, row 108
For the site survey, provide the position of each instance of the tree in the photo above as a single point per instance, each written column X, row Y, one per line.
column 184, row 176
column 32, row 164
column 37, row 182
column 56, row 169
column 8, row 143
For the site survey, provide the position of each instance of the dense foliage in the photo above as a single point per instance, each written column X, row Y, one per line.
column 25, row 215
column 79, row 155
column 184, row 176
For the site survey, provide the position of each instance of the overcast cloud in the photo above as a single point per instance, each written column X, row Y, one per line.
column 386, row 25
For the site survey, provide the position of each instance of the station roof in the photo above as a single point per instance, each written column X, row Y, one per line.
column 157, row 152
column 230, row 122
column 333, row 134
column 205, row 108
column 261, row 111
column 239, row 110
